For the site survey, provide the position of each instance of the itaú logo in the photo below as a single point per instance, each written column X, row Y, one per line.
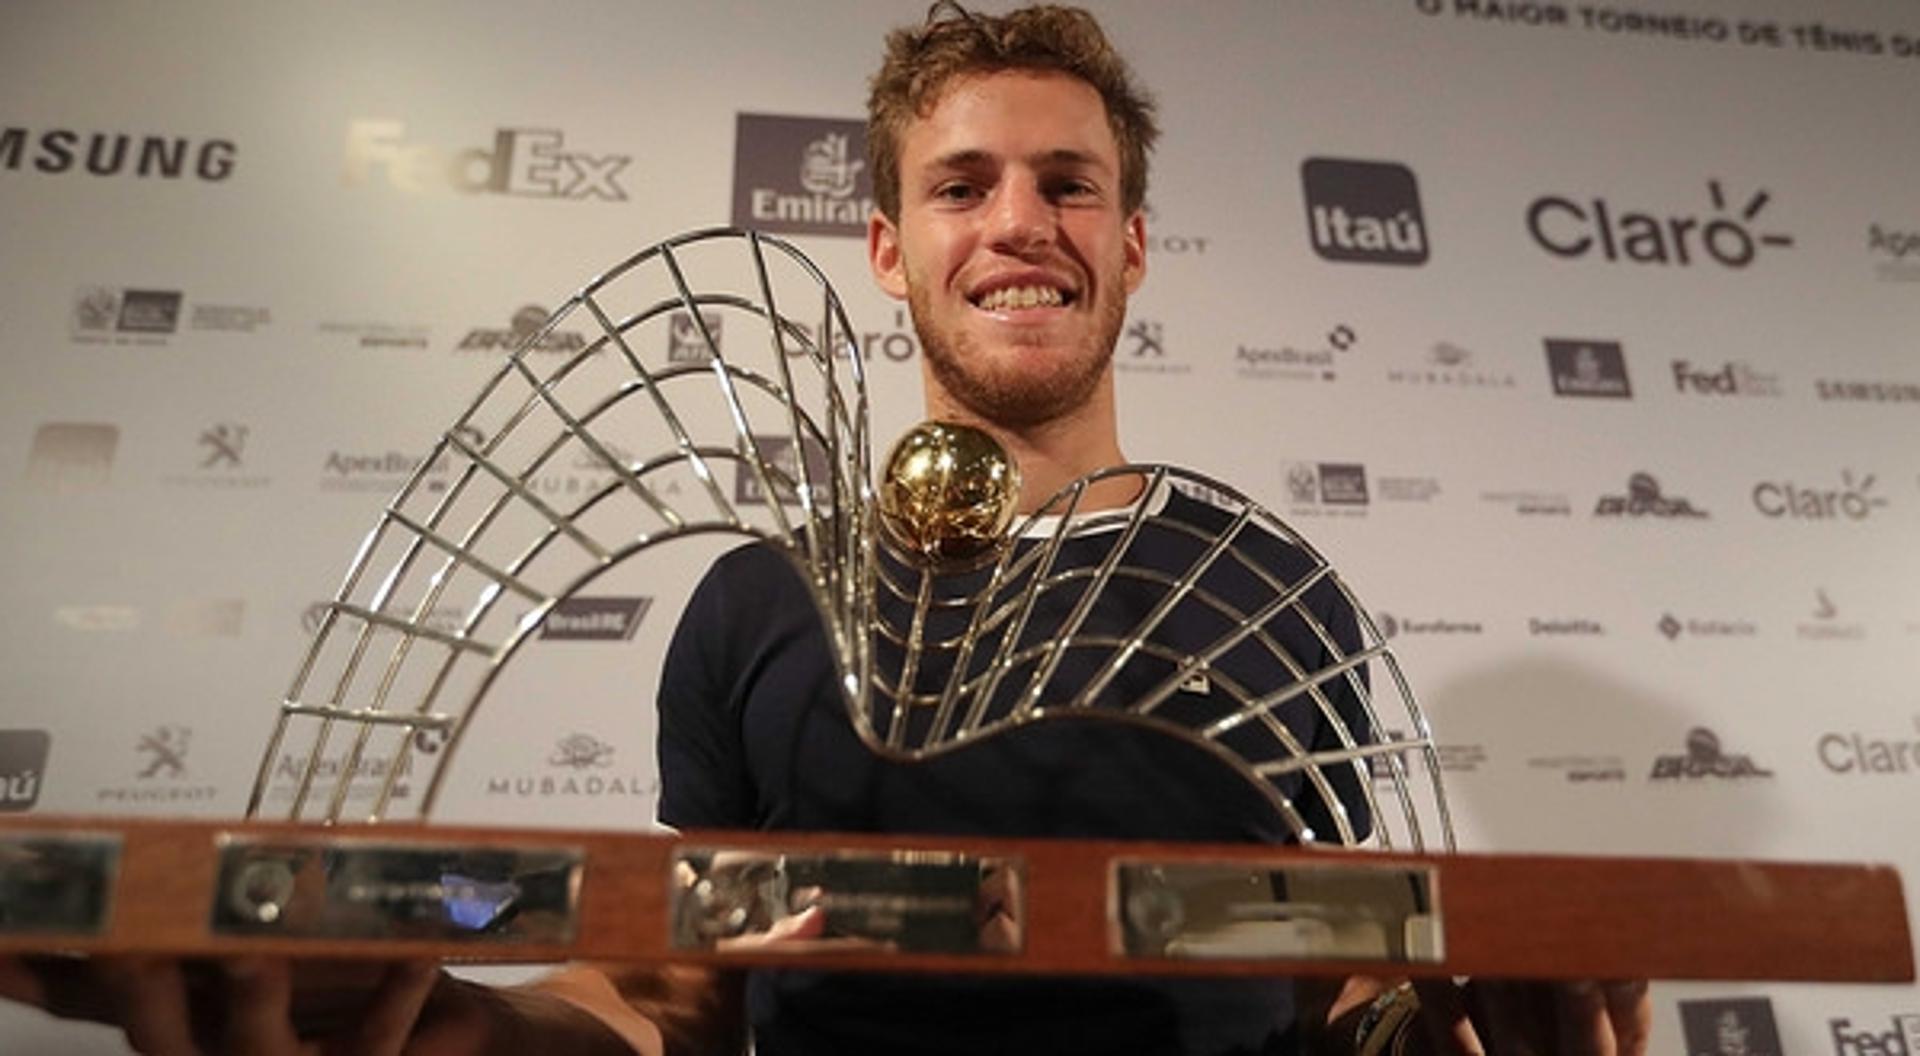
column 1727, row 236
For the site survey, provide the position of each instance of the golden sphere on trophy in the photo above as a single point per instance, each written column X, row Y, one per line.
column 948, row 492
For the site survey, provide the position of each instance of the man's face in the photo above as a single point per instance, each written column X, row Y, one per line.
column 1011, row 247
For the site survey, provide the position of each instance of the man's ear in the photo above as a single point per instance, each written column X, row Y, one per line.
column 1135, row 244
column 883, row 255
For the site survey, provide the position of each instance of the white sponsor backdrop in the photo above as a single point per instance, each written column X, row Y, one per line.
column 214, row 375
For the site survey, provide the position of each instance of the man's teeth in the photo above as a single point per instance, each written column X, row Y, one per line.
column 1021, row 297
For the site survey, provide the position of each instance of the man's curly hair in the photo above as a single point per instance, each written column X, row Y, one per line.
column 922, row 61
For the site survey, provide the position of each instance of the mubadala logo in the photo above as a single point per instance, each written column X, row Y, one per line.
column 72, row 456
column 688, row 339
column 597, row 619
column 1868, row 755
column 1365, row 212
column 525, row 325
column 1851, row 501
column 1566, row 228
column 1581, row 367
column 1896, row 253
column 1732, row 378
column 801, row 175
column 580, row 758
column 56, row 151
column 1695, row 627
column 1704, row 759
column 1901, row 1039
column 23, row 768
column 1739, row 1026
column 1644, row 499
column 523, row 162
column 1449, row 366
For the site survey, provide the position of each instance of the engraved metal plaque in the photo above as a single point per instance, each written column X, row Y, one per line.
column 757, row 901
column 335, row 888
column 57, row 883
column 1205, row 910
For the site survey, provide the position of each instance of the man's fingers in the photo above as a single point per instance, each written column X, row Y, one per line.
column 152, row 994
column 389, row 1018
column 1630, row 1011
column 259, row 999
column 1580, row 1014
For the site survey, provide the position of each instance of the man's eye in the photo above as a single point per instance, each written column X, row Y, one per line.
column 1075, row 189
column 956, row 192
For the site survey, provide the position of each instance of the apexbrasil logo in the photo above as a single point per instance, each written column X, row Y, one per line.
column 1567, row 228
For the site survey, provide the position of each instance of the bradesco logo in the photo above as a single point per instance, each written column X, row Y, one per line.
column 1644, row 499
column 801, row 175
column 1902, row 1038
column 523, row 162
column 23, row 768
column 521, row 329
column 1704, row 759
column 1579, row 229
column 1740, row 1026
column 1364, row 212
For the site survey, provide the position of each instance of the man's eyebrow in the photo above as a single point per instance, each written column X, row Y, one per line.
column 973, row 158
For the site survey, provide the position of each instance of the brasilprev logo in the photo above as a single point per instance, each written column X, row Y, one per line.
column 72, row 456
column 523, row 162
column 801, row 175
column 1566, row 228
column 1738, row 1026
column 1902, row 1038
column 1582, row 367
column 1705, row 759
column 601, row 619
column 1365, row 212
column 23, row 768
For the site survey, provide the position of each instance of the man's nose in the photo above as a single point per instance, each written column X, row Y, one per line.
column 1022, row 218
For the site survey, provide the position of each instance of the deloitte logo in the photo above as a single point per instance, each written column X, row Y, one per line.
column 524, row 163
column 1566, row 228
column 1851, row 501
column 1364, row 212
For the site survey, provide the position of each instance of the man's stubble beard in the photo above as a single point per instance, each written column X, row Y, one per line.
column 1017, row 399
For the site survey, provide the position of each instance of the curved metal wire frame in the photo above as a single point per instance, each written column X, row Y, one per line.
column 880, row 613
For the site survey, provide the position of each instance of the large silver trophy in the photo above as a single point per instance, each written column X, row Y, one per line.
column 710, row 387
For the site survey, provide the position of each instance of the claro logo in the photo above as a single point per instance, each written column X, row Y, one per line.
column 1591, row 227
